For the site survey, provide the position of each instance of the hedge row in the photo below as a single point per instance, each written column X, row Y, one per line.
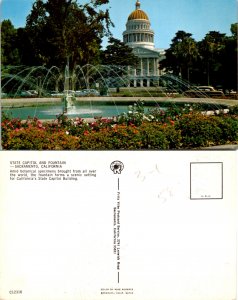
column 192, row 130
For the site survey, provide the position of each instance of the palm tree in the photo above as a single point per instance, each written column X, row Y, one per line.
column 211, row 48
column 186, row 52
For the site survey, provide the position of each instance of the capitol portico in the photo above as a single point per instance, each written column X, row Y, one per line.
column 140, row 37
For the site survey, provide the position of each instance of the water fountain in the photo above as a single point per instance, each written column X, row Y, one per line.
column 68, row 98
column 43, row 80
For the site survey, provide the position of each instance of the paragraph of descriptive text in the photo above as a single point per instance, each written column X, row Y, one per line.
column 47, row 170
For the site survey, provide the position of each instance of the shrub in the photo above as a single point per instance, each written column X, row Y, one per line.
column 117, row 137
column 95, row 140
column 158, row 136
column 135, row 114
column 34, row 138
column 199, row 130
column 136, row 130
column 73, row 127
column 130, row 137
column 172, row 135
column 233, row 110
column 229, row 128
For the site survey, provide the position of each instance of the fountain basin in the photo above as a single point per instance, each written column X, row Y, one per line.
column 90, row 107
column 47, row 112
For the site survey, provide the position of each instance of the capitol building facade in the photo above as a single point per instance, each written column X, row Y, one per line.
column 140, row 37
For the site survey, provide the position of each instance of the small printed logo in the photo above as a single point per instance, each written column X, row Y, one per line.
column 116, row 167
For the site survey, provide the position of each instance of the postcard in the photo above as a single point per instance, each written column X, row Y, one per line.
column 111, row 183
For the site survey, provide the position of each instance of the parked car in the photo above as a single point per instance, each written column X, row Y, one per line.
column 29, row 93
column 203, row 91
column 79, row 94
column 33, row 92
column 56, row 94
column 69, row 92
column 232, row 94
column 91, row 92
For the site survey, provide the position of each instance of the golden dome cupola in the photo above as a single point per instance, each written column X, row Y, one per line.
column 138, row 14
column 138, row 31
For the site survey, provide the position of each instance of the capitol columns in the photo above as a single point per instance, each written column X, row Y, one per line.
column 141, row 72
column 135, row 81
column 148, row 67
column 156, row 63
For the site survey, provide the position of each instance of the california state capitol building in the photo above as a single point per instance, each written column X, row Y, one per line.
column 140, row 37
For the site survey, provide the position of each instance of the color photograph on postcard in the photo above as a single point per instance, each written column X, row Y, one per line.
column 118, row 75
column 86, row 87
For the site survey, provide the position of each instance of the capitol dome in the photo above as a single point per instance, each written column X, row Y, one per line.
column 138, row 31
column 138, row 14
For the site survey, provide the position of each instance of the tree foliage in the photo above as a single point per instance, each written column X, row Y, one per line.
column 230, row 60
column 62, row 29
column 118, row 53
column 117, row 56
column 181, row 55
column 9, row 50
column 211, row 50
column 211, row 61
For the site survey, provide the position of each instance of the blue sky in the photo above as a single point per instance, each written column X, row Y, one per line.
column 166, row 16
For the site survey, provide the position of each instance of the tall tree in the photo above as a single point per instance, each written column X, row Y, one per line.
column 181, row 55
column 63, row 29
column 211, row 49
column 229, row 60
column 9, row 50
column 118, row 53
column 117, row 57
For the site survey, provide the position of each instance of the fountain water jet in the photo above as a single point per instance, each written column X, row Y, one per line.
column 44, row 80
column 68, row 98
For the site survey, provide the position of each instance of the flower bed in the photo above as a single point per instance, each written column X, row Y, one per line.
column 175, row 128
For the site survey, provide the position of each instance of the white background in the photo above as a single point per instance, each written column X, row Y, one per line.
column 57, row 236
